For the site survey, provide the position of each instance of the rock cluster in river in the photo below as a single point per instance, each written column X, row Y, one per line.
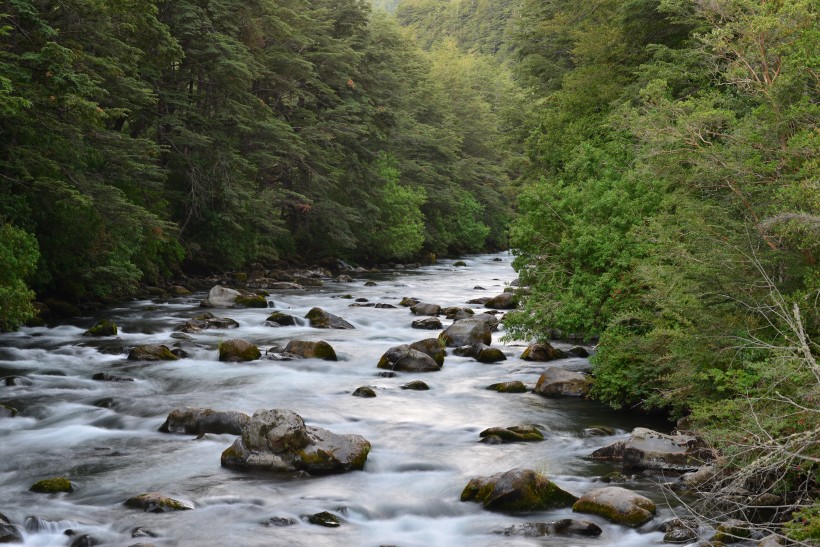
column 517, row 490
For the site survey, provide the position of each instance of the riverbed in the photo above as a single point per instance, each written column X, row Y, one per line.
column 104, row 436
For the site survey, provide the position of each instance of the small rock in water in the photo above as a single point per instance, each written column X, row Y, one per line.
column 557, row 382
column 278, row 522
column 416, row 385
column 564, row 527
column 234, row 351
column 430, row 323
column 364, row 391
column 618, row 505
column 106, row 377
column 279, row 319
column 479, row 288
column 326, row 519
column 140, row 532
column 107, row 402
column 12, row 381
column 311, row 350
column 517, row 490
column 102, row 328
column 84, row 540
column 432, row 347
column 512, row 434
column 578, row 351
column 425, row 309
column 679, row 530
column 514, row 386
column 155, row 502
column 598, row 431
column 404, row 358
column 370, row 284
column 196, row 421
column 320, row 319
column 151, row 352
column 542, row 351
column 7, row 411
column 52, row 486
column 408, row 302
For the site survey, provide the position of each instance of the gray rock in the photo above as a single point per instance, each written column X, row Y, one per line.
column 648, row 449
column 430, row 323
column 326, row 519
column 456, row 313
column 207, row 321
column 557, row 382
column 542, row 351
column 406, row 359
column 618, row 505
column 7, row 411
column 221, row 297
column 366, row 392
column 679, row 530
column 279, row 319
column 512, row 434
column 416, row 385
column 425, row 309
column 477, row 329
column 320, row 319
column 155, row 502
column 9, row 533
column 432, row 347
column 504, row 301
column 106, row 377
column 515, row 491
column 236, row 351
column 514, row 386
column 564, row 527
column 196, row 421
column 278, row 440
column 151, row 352
column 311, row 350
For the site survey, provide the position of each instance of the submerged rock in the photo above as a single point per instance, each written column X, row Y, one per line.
column 278, row 522
column 512, row 434
column 279, row 440
column 320, row 319
column 52, row 486
column 513, row 386
column 235, row 351
column 196, row 421
column 542, row 351
column 557, row 382
column 106, row 377
column 564, row 527
column 432, row 347
column 155, row 502
column 477, row 329
column 102, row 328
column 618, row 505
column 405, row 359
column 7, row 411
column 151, row 352
column 515, row 491
column 311, row 350
column 9, row 533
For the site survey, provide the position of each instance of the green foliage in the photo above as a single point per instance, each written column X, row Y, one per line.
column 18, row 258
column 805, row 524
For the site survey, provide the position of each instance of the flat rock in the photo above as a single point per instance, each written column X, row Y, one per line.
column 425, row 309
column 196, row 421
column 648, row 449
column 557, row 382
column 155, row 502
column 516, row 490
column 512, row 434
column 564, row 527
column 617, row 505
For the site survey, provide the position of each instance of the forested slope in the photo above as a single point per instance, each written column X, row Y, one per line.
column 137, row 138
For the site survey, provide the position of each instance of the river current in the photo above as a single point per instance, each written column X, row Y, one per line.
column 425, row 443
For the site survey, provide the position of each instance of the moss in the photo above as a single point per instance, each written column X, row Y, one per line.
column 52, row 486
column 325, row 351
column 359, row 461
column 240, row 277
column 514, row 434
column 102, row 328
column 251, row 301
column 238, row 350
column 364, row 391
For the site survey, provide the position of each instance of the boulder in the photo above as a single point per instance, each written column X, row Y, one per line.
column 52, row 486
column 480, row 301
column 320, row 319
column 407, row 301
column 504, row 301
column 406, row 359
column 455, row 313
column 542, row 351
column 486, row 354
column 578, row 351
column 250, row 301
column 207, row 321
column 326, row 519
column 648, row 449
column 221, row 297
column 365, row 392
column 512, row 434
column 416, row 385
column 9, row 533
column 515, row 491
column 236, row 350
column 311, row 350
column 151, row 352
column 514, row 386
column 477, row 329
column 196, row 421
column 155, row 502
column 425, row 309
column 279, row 440
column 617, row 505
column 279, row 319
column 430, row 323
column 557, row 382
column 102, row 328
column 563, row 527
column 679, row 530
column 432, row 347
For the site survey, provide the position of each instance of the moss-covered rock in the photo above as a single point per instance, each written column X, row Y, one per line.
column 432, row 347
column 251, row 301
column 514, row 386
column 102, row 328
column 312, row 350
column 512, row 434
column 151, row 352
column 517, row 490
column 366, row 392
column 617, row 505
column 504, row 301
column 52, row 486
column 196, row 421
column 237, row 350
column 459, row 263
column 320, row 319
column 406, row 301
column 486, row 354
column 416, row 385
column 326, row 519
column 155, row 502
column 279, row 319
column 558, row 382
column 732, row 531
column 404, row 358
column 542, row 351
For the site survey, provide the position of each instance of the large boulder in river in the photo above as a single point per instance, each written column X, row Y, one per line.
column 235, row 351
column 477, row 329
column 542, row 351
column 428, row 323
column 618, row 505
column 648, row 449
column 221, row 297
column 432, row 347
column 563, row 527
column 151, row 352
column 9, row 533
column 102, row 328
column 425, row 309
column 557, row 382
column 311, row 350
column 504, row 301
column 515, row 491
column 406, row 359
column 279, row 440
column 320, row 319
column 279, row 319
column 196, row 421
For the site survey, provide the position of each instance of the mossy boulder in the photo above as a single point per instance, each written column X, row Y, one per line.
column 320, row 319
column 513, row 386
column 311, row 350
column 563, row 527
column 196, row 421
column 433, row 348
column 512, row 434
column 365, row 392
column 151, row 352
column 250, row 301
column 406, row 359
column 504, row 301
column 542, row 351
column 102, row 328
column 416, row 385
column 558, row 382
column 9, row 533
column 406, row 301
column 617, row 505
column 459, row 263
column 488, row 355
column 52, row 486
column 237, row 350
column 279, row 440
column 155, row 502
column 477, row 329
column 279, row 319
column 517, row 490
column 326, row 519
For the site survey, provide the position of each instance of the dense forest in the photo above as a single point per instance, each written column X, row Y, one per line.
column 653, row 164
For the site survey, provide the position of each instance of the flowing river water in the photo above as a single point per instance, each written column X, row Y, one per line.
column 425, row 443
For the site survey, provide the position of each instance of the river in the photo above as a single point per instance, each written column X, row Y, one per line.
column 425, row 443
